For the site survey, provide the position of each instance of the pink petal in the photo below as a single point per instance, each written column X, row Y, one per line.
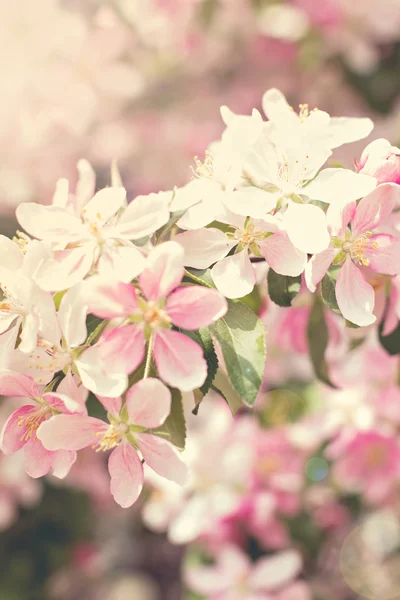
column 164, row 271
column 375, row 207
column 317, row 266
column 180, row 361
column 108, row 300
column 62, row 403
column 282, row 256
column 12, row 433
column 112, row 405
column 62, row 461
column 275, row 572
column 18, row 385
column 148, row 402
column 70, row 432
column 72, row 387
column 355, row 297
column 385, row 258
column 105, row 204
column 37, row 459
column 122, row 349
column 203, row 247
column 126, row 473
column 194, row 306
column 144, row 216
column 234, row 276
column 162, row 457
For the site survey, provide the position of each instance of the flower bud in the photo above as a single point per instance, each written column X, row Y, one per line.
column 380, row 160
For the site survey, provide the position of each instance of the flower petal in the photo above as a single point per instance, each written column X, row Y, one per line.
column 277, row 109
column 282, row 256
column 66, row 268
column 110, row 299
column 251, row 202
column 274, row 572
column 50, row 223
column 164, row 271
column 12, row 432
column 144, row 215
column 122, row 349
column 162, row 457
column 385, row 258
column 148, row 402
column 332, row 185
column 18, row 385
column 306, row 227
column 180, row 361
column 194, row 306
column 317, row 266
column 105, row 204
column 355, row 297
column 96, row 377
column 122, row 263
column 37, row 459
column 203, row 247
column 11, row 256
column 62, row 461
column 72, row 315
column 126, row 473
column 234, row 276
column 70, row 432
column 375, row 207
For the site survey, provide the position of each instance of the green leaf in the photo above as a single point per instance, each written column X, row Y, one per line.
column 282, row 289
column 203, row 338
column 254, row 300
column 242, row 336
column 391, row 342
column 200, row 276
column 328, row 285
column 174, row 428
column 223, row 387
column 318, row 339
column 58, row 297
column 165, row 229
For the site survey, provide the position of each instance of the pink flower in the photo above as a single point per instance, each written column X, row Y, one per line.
column 234, row 577
column 370, row 464
column 147, row 405
column 358, row 248
column 179, row 359
column 20, row 430
column 381, row 160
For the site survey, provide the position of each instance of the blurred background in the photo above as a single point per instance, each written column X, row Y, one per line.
column 141, row 82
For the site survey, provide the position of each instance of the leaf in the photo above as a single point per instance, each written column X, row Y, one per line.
column 58, row 297
column 391, row 342
column 242, row 336
column 165, row 229
column 254, row 300
column 223, row 387
column 200, row 276
column 174, row 428
column 328, row 285
column 282, row 289
column 318, row 339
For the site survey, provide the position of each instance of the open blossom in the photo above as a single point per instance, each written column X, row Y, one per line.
column 20, row 430
column 234, row 577
column 96, row 237
column 147, row 405
column 150, row 316
column 24, row 305
column 370, row 464
column 234, row 275
column 358, row 247
column 381, row 160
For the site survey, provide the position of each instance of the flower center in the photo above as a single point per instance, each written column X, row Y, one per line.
column 155, row 316
column 357, row 247
column 204, row 169
column 111, row 438
column 32, row 421
column 376, row 456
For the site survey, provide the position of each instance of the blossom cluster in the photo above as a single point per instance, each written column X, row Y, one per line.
column 113, row 310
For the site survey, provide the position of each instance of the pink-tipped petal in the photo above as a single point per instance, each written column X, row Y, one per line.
column 274, row 572
column 162, row 457
column 164, row 271
column 122, row 349
column 63, row 403
column 109, row 300
column 62, row 461
column 355, row 297
column 37, row 459
column 71, row 386
column 148, row 402
column 112, row 405
column 203, row 247
column 385, row 258
column 234, row 276
column 144, row 216
column 70, row 432
column 12, row 435
column 126, row 473
column 18, row 385
column 317, row 266
column 282, row 256
column 180, row 361
column 194, row 306
column 375, row 207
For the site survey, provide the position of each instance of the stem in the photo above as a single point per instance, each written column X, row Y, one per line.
column 149, row 356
